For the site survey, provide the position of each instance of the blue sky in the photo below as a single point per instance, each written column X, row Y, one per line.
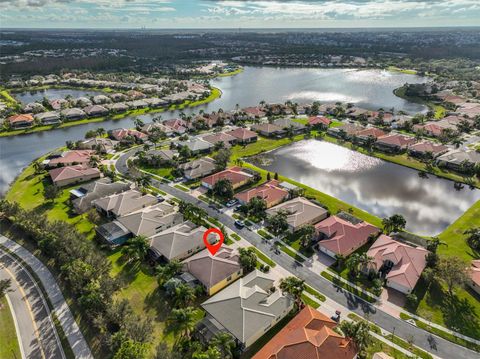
column 236, row 14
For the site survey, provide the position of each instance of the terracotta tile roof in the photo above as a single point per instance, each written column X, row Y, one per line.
column 371, row 131
column 255, row 111
column 309, row 335
column 20, row 118
column 70, row 172
column 397, row 140
column 74, row 156
column 226, row 138
column 319, row 120
column 121, row 133
column 269, row 191
column 233, row 174
column 475, row 272
column 426, row 146
column 242, row 134
column 344, row 237
column 409, row 262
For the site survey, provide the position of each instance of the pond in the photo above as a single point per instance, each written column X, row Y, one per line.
column 52, row 94
column 368, row 88
column 382, row 188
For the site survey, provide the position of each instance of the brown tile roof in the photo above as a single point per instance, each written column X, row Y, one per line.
column 233, row 174
column 242, row 134
column 226, row 138
column 397, row 140
column 267, row 128
column 371, row 131
column 74, row 156
column 121, row 133
column 69, row 172
column 426, row 146
column 269, row 191
column 309, row 335
column 475, row 272
column 319, row 119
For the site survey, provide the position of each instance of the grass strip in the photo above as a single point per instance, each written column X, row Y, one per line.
column 348, row 287
column 264, row 258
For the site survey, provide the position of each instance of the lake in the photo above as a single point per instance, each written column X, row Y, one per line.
column 382, row 188
column 367, row 88
column 52, row 94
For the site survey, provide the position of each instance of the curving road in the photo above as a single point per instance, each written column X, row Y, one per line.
column 38, row 336
column 431, row 343
column 46, row 338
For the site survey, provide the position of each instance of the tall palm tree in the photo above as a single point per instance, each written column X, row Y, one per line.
column 183, row 321
column 184, row 296
column 473, row 237
column 225, row 343
column 359, row 332
column 352, row 264
column 434, row 243
column 293, row 286
column 169, row 270
column 135, row 249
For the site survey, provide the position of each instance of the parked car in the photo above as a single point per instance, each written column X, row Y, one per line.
column 239, row 224
column 232, row 203
column 237, row 208
column 160, row 199
column 336, row 316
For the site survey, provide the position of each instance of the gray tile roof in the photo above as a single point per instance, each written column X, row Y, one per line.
column 125, row 202
column 301, row 210
column 246, row 306
column 96, row 190
column 198, row 168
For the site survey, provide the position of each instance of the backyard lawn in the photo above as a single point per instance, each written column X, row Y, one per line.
column 9, row 347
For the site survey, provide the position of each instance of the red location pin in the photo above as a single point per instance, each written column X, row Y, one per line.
column 213, row 248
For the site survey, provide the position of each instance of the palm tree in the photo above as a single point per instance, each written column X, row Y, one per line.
column 169, row 270
column 358, row 331
column 293, row 286
column 225, row 343
column 340, row 260
column 138, row 123
column 184, row 296
column 352, row 264
column 473, row 237
column 457, row 142
column 183, row 321
column 93, row 161
column 306, row 234
column 432, row 244
column 135, row 249
column 394, row 223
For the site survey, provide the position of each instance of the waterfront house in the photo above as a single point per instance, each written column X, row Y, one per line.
column 246, row 309
column 33, row 107
column 83, row 196
column 270, row 192
column 82, row 102
column 198, row 168
column 236, row 175
column 101, row 99
column 363, row 136
column 177, row 125
column 269, row 130
column 135, row 95
column 58, row 104
column 95, row 111
column 69, row 175
column 475, row 276
column 400, row 264
column 345, row 131
column 243, row 135
column 99, row 144
column 155, row 102
column 309, row 335
column 72, row 114
column 122, row 134
column 69, row 158
column 117, row 107
column 340, row 237
column 137, row 104
column 179, row 242
column 254, row 112
column 117, row 97
column 20, row 121
column 217, row 271
column 424, row 148
column 457, row 159
column 149, row 128
column 394, row 143
column 120, row 204
column 300, row 212
column 48, row 118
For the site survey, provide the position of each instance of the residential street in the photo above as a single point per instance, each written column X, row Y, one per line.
column 436, row 345
column 75, row 337
column 38, row 337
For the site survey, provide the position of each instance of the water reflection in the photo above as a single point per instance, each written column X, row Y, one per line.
column 51, row 94
column 379, row 187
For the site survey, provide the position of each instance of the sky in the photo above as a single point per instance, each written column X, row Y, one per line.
column 171, row 14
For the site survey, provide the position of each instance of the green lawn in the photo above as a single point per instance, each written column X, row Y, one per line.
column 264, row 258
column 9, row 347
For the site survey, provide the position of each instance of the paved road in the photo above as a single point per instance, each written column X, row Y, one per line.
column 431, row 343
column 38, row 336
column 74, row 336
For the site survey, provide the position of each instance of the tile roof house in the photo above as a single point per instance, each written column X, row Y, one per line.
column 48, row 118
column 254, row 112
column 364, row 135
column 73, row 157
column 236, row 175
column 421, row 149
column 271, row 192
column 338, row 236
column 196, row 145
column 248, row 307
column 348, row 130
column 217, row 271
column 120, row 204
column 401, row 264
column 320, row 121
column 58, row 104
column 198, row 168
column 243, row 135
column 148, row 127
column 120, row 134
column 475, row 276
column 95, row 143
column 20, row 121
column 455, row 159
column 117, row 107
column 434, row 129
column 394, row 142
column 179, row 242
column 83, row 196
column 309, row 335
column 286, row 123
column 73, row 113
column 226, row 139
column 64, row 176
column 300, row 211
column 178, row 125
column 95, row 110
column 101, row 99
column 268, row 130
